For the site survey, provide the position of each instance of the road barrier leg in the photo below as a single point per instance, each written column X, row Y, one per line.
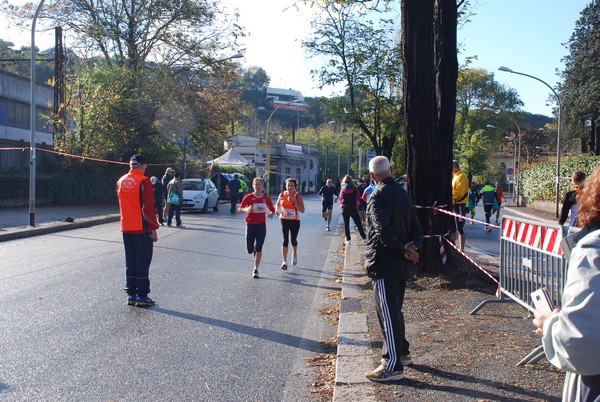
column 535, row 356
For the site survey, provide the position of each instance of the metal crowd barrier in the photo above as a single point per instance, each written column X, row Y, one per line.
column 530, row 258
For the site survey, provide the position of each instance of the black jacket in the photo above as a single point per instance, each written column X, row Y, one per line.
column 568, row 202
column 391, row 224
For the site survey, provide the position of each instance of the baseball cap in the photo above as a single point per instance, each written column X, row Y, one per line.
column 137, row 160
column 169, row 170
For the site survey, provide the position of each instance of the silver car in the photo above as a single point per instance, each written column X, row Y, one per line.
column 199, row 195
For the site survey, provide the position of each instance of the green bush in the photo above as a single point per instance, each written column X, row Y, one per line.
column 539, row 182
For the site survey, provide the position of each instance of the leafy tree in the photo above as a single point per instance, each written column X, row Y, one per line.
column 580, row 91
column 365, row 57
column 477, row 89
column 254, row 78
column 130, row 33
column 473, row 150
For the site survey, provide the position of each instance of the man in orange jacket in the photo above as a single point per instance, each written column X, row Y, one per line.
column 139, row 225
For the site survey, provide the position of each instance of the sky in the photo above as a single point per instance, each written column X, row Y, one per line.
column 524, row 35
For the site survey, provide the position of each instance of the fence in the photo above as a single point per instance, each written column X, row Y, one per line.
column 530, row 258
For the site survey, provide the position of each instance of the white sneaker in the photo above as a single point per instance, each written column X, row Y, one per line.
column 294, row 260
column 327, row 228
column 348, row 242
column 255, row 273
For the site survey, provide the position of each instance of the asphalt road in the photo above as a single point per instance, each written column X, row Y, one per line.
column 216, row 334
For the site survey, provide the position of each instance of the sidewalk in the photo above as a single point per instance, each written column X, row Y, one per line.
column 14, row 222
column 457, row 356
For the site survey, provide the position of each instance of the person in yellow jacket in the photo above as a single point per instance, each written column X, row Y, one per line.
column 139, row 225
column 460, row 196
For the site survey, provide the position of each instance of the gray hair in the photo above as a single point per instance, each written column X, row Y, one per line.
column 380, row 167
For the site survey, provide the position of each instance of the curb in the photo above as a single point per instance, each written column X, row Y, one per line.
column 53, row 227
column 354, row 344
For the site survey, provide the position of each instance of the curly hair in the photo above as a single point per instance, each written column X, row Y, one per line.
column 588, row 214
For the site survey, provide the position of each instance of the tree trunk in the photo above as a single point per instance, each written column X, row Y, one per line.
column 430, row 71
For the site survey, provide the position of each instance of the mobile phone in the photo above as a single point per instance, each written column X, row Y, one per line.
column 541, row 300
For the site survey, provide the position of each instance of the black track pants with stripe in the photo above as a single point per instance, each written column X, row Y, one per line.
column 389, row 298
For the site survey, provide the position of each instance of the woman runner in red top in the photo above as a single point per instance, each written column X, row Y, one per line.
column 290, row 204
column 255, row 205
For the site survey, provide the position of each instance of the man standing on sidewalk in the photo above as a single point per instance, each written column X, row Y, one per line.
column 138, row 224
column 460, row 196
column 394, row 237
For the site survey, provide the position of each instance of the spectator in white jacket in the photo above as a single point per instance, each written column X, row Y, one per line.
column 571, row 334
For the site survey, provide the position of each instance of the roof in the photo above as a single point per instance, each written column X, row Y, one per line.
column 231, row 158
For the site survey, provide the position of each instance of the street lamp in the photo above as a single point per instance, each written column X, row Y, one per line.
column 508, row 70
column 517, row 148
column 267, row 140
column 32, row 121
column 235, row 56
column 514, row 155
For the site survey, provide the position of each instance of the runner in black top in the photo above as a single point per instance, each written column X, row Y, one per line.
column 327, row 192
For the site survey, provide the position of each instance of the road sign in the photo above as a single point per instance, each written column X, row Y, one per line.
column 509, row 170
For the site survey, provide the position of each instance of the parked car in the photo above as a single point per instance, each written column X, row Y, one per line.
column 221, row 180
column 199, row 195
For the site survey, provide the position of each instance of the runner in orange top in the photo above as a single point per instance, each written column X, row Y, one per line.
column 500, row 195
column 290, row 204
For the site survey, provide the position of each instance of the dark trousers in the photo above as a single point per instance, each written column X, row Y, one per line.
column 255, row 237
column 487, row 208
column 233, row 199
column 159, row 212
column 290, row 227
column 174, row 209
column 138, row 256
column 389, row 298
column 357, row 222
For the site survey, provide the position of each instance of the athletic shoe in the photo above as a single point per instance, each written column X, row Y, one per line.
column 255, row 273
column 284, row 266
column 131, row 300
column 144, row 301
column 381, row 374
column 406, row 360
column 294, row 260
column 348, row 242
column 327, row 228
column 181, row 226
column 325, row 218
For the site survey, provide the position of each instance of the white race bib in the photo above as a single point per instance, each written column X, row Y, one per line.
column 259, row 208
column 288, row 213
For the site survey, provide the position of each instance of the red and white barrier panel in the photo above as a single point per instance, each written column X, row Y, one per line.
column 539, row 237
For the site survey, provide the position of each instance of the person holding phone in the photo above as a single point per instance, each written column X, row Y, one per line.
column 570, row 334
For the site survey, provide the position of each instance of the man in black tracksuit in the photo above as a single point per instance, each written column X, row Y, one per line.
column 394, row 237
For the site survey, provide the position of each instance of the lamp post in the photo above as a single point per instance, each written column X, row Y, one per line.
column 32, row 121
column 267, row 140
column 235, row 56
column 508, row 137
column 517, row 148
column 508, row 70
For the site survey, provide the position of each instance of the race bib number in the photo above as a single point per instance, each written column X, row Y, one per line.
column 288, row 213
column 259, row 208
